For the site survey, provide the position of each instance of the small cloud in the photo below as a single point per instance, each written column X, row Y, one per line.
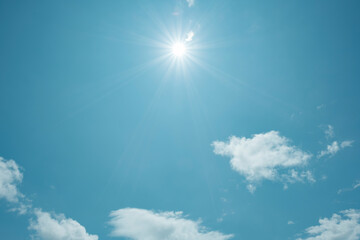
column 294, row 176
column 334, row 148
column 190, row 36
column 190, row 2
column 22, row 208
column 345, row 144
column 221, row 219
column 329, row 132
column 290, row 223
column 251, row 188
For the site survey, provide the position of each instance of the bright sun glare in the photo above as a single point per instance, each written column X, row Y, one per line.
column 178, row 49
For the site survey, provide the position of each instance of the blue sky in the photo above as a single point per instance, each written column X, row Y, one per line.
column 179, row 119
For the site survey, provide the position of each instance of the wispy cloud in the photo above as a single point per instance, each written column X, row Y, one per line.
column 321, row 106
column 345, row 225
column 355, row 186
column 134, row 223
column 329, row 132
column 190, row 36
column 333, row 148
column 290, row 223
column 294, row 176
column 347, row 143
column 57, row 227
column 190, row 2
column 263, row 156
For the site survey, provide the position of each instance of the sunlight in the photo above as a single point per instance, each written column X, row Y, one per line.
column 178, row 49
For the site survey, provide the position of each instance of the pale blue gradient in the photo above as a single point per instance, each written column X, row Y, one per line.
column 100, row 117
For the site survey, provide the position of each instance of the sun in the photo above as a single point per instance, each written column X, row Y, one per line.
column 178, row 49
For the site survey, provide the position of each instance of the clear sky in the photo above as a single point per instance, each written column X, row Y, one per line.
column 179, row 120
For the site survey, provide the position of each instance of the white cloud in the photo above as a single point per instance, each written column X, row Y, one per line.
column 345, row 144
column 56, row 227
column 190, row 36
column 331, row 149
column 263, row 156
column 290, row 223
column 22, row 207
column 329, row 132
column 251, row 188
column 334, row 148
column 294, row 176
column 141, row 224
column 190, row 2
column 355, row 186
column 341, row 226
column 10, row 177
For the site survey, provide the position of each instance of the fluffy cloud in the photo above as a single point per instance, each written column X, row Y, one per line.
column 345, row 225
column 57, row 227
column 263, row 156
column 333, row 148
column 190, row 2
column 141, row 224
column 10, row 177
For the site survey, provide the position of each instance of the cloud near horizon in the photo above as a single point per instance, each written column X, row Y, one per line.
column 263, row 156
column 142, row 224
column 345, row 225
